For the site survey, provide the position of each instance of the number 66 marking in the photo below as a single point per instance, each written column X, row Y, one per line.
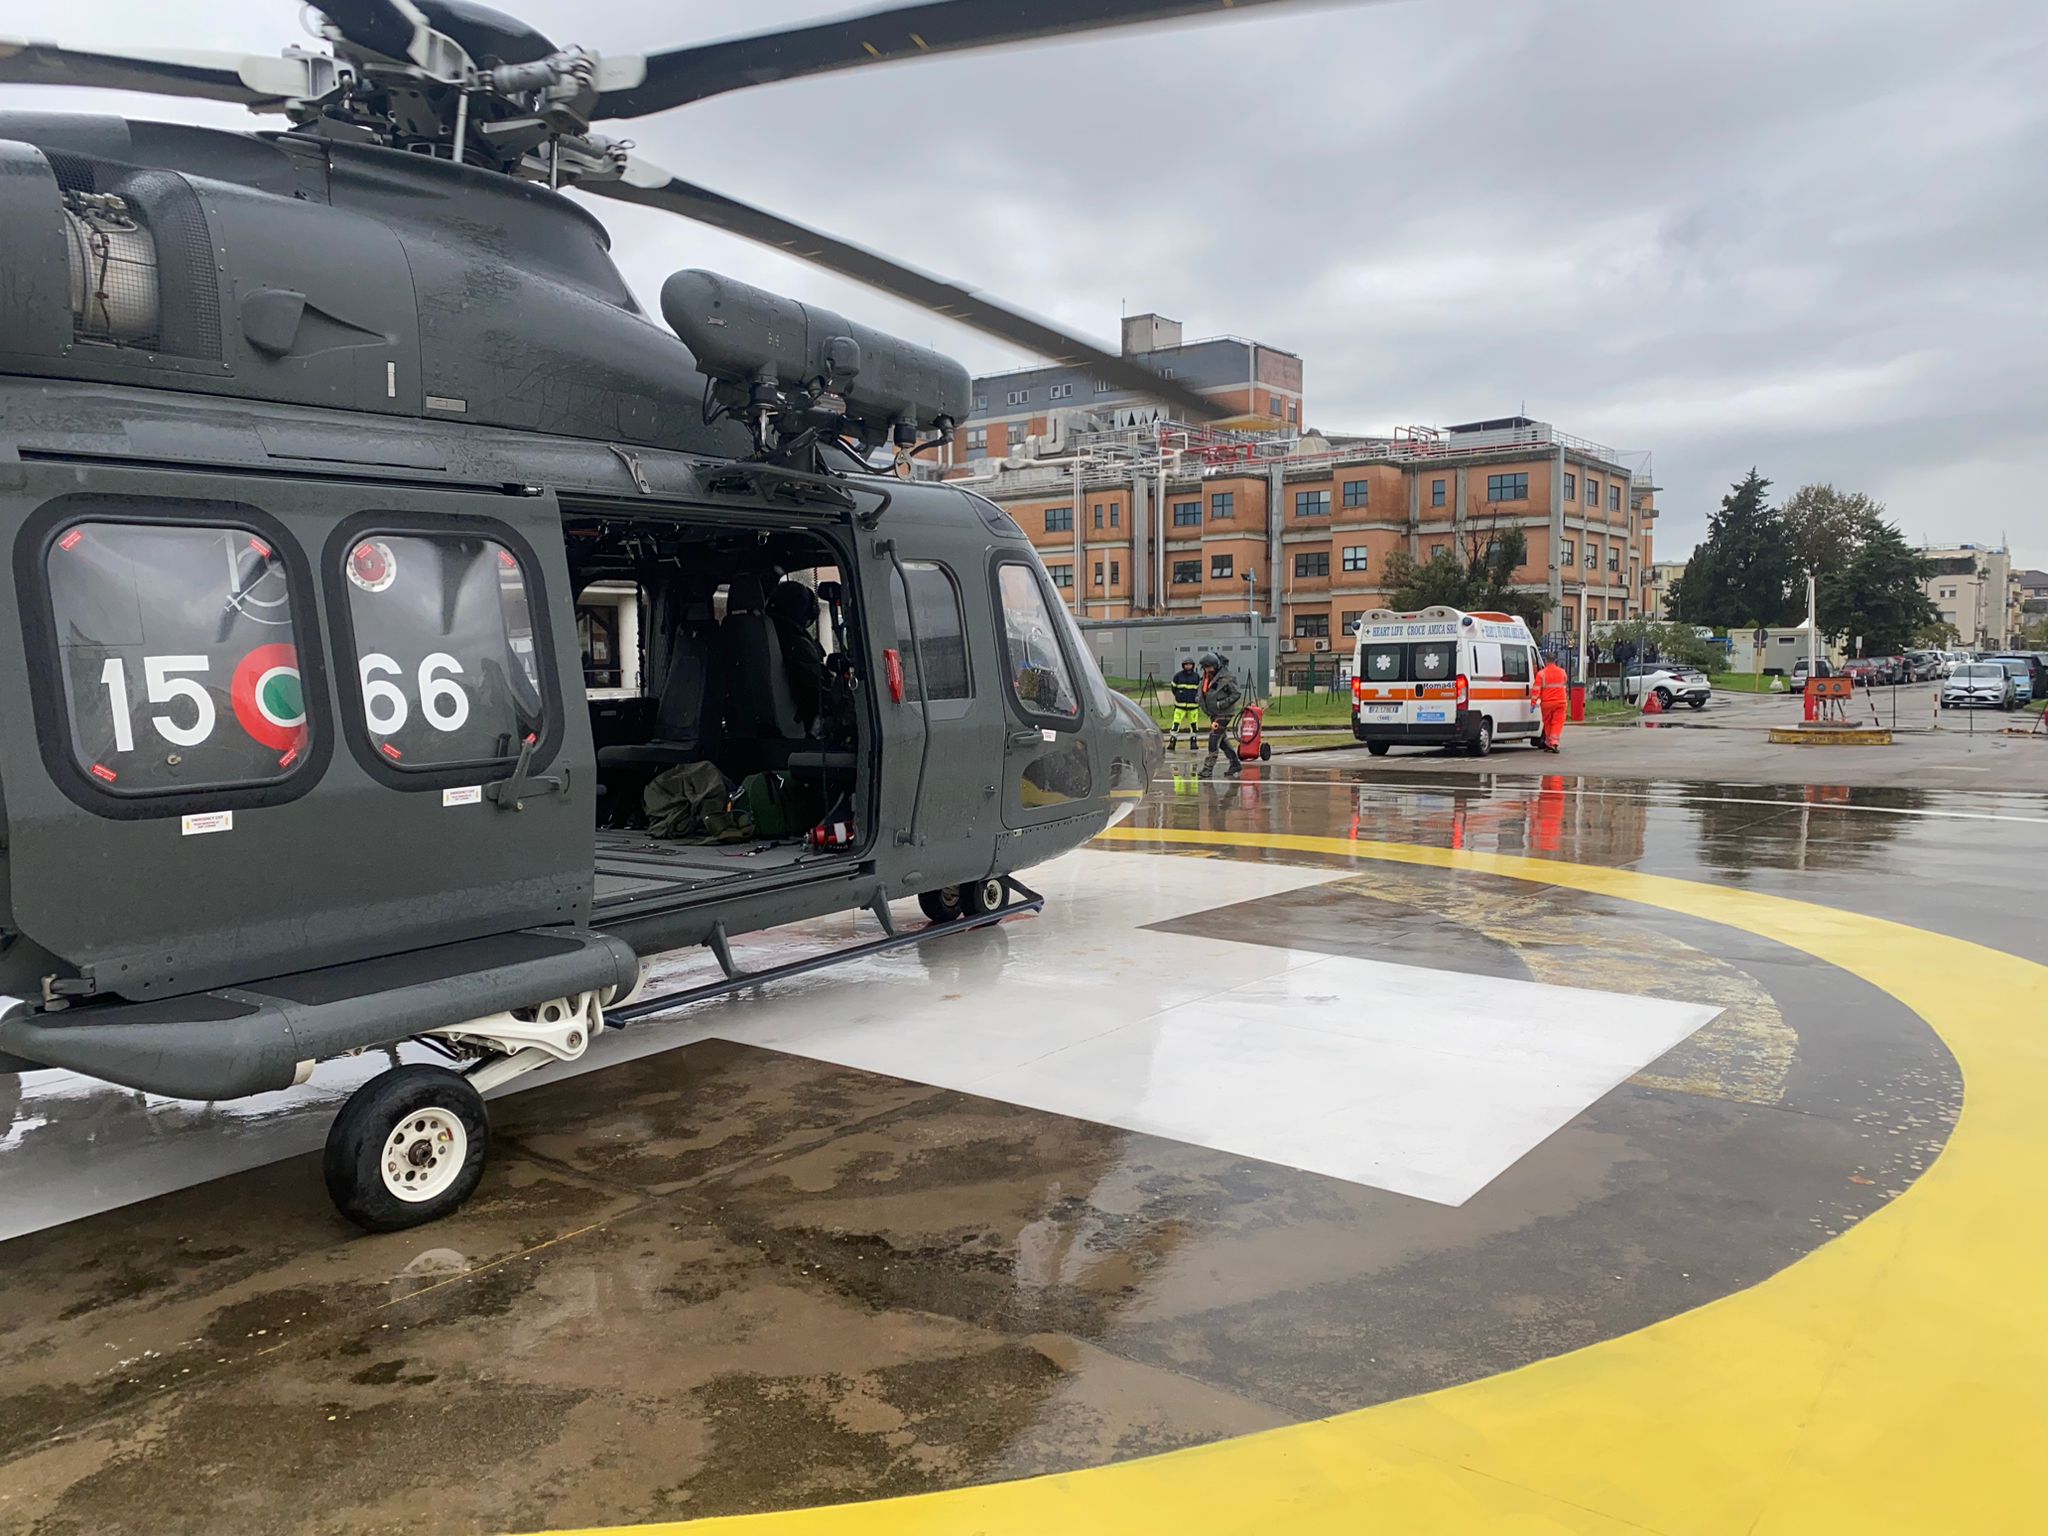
column 386, row 708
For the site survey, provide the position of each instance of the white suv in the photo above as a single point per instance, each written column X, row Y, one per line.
column 1671, row 685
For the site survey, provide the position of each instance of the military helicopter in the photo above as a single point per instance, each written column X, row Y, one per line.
column 318, row 449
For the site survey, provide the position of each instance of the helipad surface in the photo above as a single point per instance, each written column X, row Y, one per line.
column 1513, row 1155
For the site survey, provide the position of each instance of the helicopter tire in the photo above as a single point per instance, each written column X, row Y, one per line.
column 943, row 905
column 985, row 896
column 407, row 1148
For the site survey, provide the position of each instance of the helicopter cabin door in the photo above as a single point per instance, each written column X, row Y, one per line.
column 251, row 726
column 1046, row 764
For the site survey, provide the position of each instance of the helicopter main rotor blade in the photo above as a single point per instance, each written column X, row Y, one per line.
column 683, row 75
column 251, row 80
column 652, row 187
column 395, row 28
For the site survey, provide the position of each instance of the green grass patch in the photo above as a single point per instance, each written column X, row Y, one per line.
column 1741, row 682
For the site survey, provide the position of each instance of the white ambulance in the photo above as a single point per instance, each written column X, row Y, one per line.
column 1443, row 677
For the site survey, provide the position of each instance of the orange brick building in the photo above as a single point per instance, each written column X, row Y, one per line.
column 1312, row 523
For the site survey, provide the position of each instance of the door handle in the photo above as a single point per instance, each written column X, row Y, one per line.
column 1025, row 738
column 511, row 794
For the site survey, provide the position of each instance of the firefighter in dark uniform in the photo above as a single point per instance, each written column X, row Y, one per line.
column 1187, row 704
column 1220, row 700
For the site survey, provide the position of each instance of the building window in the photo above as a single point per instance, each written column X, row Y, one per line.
column 1571, row 486
column 977, row 439
column 1059, row 519
column 1352, row 616
column 1223, row 504
column 1187, row 514
column 1187, row 573
column 1293, row 411
column 1116, row 514
column 1571, row 551
column 1166, row 373
column 1061, row 392
column 1436, row 493
column 1018, row 396
column 1273, row 405
column 1507, row 487
column 1220, row 567
column 1316, row 563
column 1355, row 557
column 1614, row 558
column 1592, row 553
column 1355, row 492
column 1098, row 514
column 1062, row 575
column 1116, row 575
column 1592, row 492
column 1312, row 626
column 1311, row 503
column 1435, row 550
column 1571, row 618
column 1614, row 498
column 980, row 403
column 1103, row 386
column 1098, row 573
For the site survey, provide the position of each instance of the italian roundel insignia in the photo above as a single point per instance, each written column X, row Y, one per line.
column 267, row 698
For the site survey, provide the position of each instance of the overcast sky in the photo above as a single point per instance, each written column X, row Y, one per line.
column 1809, row 235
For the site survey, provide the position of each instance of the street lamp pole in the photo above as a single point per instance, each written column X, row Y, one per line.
column 1251, row 603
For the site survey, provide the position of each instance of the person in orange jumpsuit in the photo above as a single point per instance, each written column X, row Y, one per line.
column 1551, row 684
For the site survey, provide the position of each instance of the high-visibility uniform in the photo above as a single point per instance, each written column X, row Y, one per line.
column 1187, row 702
column 1551, row 694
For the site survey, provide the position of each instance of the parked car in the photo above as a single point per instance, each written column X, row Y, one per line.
column 2022, row 669
column 1684, row 685
column 1868, row 671
column 1796, row 679
column 2037, row 671
column 1978, row 685
column 1923, row 666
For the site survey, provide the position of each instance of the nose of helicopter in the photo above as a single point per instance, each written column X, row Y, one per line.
column 1137, row 751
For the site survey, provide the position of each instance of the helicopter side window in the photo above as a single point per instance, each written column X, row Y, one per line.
column 941, row 629
column 446, row 665
column 177, row 655
column 1040, row 680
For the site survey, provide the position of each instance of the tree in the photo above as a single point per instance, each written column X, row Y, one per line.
column 1483, row 581
column 2034, row 636
column 1936, row 635
column 1881, row 597
column 1742, row 574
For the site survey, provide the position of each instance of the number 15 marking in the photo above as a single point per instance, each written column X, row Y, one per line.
column 162, row 688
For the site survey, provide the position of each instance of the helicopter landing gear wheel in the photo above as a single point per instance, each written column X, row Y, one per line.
column 985, row 896
column 944, row 904
column 407, row 1148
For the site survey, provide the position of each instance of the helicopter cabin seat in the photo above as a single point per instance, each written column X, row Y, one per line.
column 680, row 734
column 759, row 704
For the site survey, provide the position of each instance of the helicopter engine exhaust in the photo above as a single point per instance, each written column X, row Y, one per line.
column 788, row 366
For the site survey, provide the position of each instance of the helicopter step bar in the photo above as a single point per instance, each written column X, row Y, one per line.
column 1019, row 898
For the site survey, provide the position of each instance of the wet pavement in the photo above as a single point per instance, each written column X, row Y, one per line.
column 727, row 1276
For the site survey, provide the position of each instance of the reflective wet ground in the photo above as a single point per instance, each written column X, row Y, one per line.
column 728, row 1275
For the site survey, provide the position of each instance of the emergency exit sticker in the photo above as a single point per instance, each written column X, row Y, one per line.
column 466, row 794
column 209, row 821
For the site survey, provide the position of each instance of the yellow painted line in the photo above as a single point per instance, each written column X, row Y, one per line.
column 1893, row 1380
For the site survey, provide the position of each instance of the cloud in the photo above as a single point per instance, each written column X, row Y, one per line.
column 1808, row 237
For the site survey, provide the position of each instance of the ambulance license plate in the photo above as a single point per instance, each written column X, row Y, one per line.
column 1380, row 711
column 1430, row 717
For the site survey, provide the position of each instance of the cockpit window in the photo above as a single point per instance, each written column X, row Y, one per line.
column 1040, row 679
column 178, row 659
column 445, row 660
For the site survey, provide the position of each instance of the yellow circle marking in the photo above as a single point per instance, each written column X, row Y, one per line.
column 1894, row 1379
